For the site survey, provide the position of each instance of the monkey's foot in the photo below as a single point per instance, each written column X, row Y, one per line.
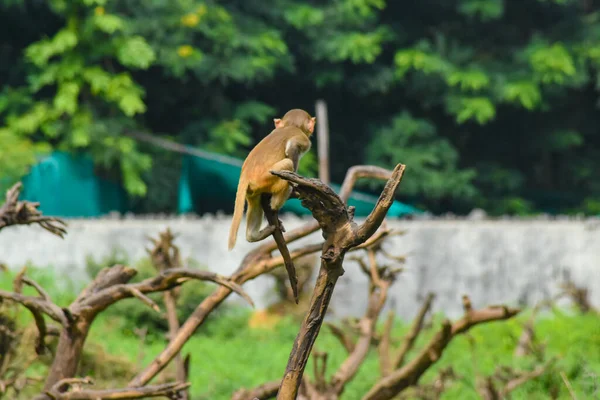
column 260, row 235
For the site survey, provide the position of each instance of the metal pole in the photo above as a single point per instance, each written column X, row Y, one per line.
column 323, row 140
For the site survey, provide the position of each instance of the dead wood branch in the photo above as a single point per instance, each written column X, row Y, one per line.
column 409, row 374
column 433, row 390
column 15, row 212
column 257, row 262
column 262, row 392
column 341, row 234
column 568, row 385
column 413, row 333
column 343, row 337
column 109, row 286
column 380, row 279
column 527, row 341
column 38, row 307
column 15, row 359
column 580, row 296
column 167, row 279
column 165, row 255
column 505, row 380
column 384, row 347
column 169, row 390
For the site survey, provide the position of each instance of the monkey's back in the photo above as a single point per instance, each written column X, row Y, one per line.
column 260, row 160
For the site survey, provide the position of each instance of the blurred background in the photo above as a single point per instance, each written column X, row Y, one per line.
column 128, row 117
column 492, row 104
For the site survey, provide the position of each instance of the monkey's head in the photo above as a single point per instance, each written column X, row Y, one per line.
column 298, row 118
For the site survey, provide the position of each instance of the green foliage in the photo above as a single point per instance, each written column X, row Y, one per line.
column 551, row 63
column 433, row 160
column 483, row 9
column 479, row 109
column 303, row 16
column 224, row 337
column 74, row 86
column 502, row 83
column 525, row 93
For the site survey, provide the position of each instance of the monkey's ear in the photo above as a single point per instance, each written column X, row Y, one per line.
column 278, row 122
column 311, row 124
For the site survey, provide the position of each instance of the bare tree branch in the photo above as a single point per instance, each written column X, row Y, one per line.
column 413, row 333
column 165, row 256
column 259, row 261
column 109, row 286
column 57, row 392
column 380, row 279
column 344, row 339
column 568, row 385
column 37, row 305
column 143, row 298
column 525, row 377
column 167, row 279
column 263, row 392
column 505, row 380
column 385, row 362
column 409, row 374
column 30, row 282
column 580, row 296
column 340, row 234
column 352, row 175
column 15, row 212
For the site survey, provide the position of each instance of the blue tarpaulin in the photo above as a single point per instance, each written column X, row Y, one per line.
column 208, row 184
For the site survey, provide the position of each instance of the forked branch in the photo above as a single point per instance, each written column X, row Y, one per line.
column 58, row 391
column 321, row 388
column 15, row 212
column 257, row 262
column 408, row 375
column 110, row 286
column 341, row 233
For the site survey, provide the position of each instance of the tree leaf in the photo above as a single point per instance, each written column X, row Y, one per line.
column 135, row 52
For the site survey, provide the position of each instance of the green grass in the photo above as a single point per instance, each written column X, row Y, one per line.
column 227, row 355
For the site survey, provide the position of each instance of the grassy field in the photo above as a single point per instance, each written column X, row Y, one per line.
column 227, row 354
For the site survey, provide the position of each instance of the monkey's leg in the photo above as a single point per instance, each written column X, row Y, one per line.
column 254, row 217
column 282, row 189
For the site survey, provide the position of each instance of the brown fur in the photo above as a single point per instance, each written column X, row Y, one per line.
column 270, row 154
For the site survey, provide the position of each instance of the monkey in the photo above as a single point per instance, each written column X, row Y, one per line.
column 280, row 150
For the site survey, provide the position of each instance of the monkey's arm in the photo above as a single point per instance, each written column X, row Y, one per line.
column 295, row 149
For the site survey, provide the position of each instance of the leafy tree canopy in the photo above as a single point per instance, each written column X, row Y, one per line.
column 490, row 103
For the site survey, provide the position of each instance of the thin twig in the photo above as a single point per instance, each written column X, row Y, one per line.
column 409, row 374
column 164, row 390
column 30, row 282
column 14, row 212
column 144, row 299
column 568, row 385
column 343, row 338
column 385, row 363
column 262, row 392
column 413, row 333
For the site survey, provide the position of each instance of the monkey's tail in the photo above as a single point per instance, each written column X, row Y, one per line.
column 238, row 211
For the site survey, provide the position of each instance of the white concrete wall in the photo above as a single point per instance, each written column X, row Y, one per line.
column 492, row 261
